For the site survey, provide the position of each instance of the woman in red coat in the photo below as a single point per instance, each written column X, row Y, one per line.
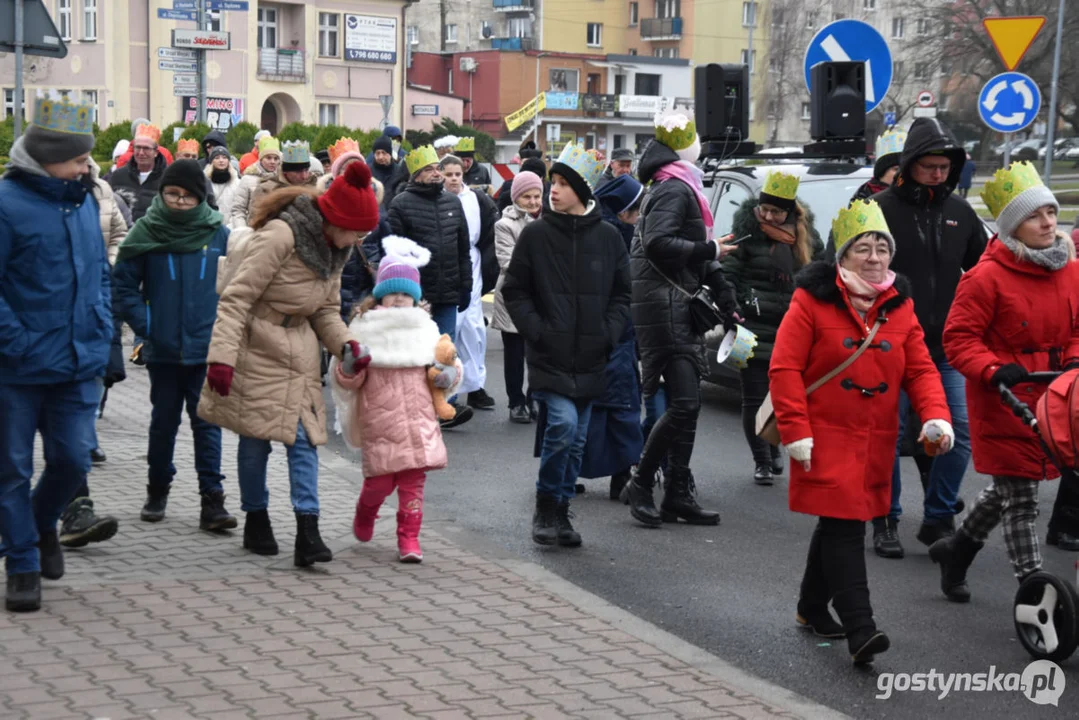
column 1016, row 311
column 842, row 438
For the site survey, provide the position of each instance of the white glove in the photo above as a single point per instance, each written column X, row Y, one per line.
column 801, row 451
column 941, row 428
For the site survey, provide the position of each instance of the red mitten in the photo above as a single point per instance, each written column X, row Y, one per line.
column 219, row 378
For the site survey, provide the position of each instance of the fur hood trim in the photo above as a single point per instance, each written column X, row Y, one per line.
column 819, row 280
column 305, row 221
column 397, row 337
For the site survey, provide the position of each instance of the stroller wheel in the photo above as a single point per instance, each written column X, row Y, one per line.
column 1047, row 616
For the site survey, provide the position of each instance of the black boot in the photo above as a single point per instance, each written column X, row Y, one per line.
column 258, row 533
column 214, row 516
column 866, row 644
column 777, row 461
column 886, row 538
column 480, row 400
column 156, row 500
column 1062, row 540
column 567, row 536
column 51, row 554
column 618, row 482
column 23, row 592
column 813, row 612
column 309, row 546
column 679, row 501
column 954, row 554
column 545, row 520
column 80, row 526
column 642, row 506
column 930, row 532
column 762, row 475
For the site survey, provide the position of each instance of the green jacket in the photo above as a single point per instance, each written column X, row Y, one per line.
column 762, row 271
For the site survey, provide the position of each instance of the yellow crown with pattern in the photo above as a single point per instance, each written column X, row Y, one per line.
column 465, row 145
column 588, row 164
column 296, row 151
column 781, row 185
column 1008, row 183
column 342, row 146
column 861, row 217
column 891, row 143
column 420, row 158
column 269, row 144
column 63, row 116
column 676, row 131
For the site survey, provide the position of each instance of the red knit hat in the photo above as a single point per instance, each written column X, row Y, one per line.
column 350, row 202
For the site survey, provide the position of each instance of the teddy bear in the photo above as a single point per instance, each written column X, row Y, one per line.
column 443, row 375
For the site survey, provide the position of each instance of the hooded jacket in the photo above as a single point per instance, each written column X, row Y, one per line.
column 138, row 195
column 217, row 138
column 434, row 219
column 937, row 234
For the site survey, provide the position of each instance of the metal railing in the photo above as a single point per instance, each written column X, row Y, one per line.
column 282, row 64
column 657, row 28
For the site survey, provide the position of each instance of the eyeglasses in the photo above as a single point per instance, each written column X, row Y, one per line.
column 175, row 197
column 145, row 149
column 940, row 168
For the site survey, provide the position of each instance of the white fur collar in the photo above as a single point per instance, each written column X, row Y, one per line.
column 397, row 337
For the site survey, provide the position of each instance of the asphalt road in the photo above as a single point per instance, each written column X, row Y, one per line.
column 732, row 589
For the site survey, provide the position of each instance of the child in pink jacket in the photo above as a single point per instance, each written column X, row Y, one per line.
column 392, row 415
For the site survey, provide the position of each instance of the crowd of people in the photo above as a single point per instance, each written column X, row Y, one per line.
column 239, row 277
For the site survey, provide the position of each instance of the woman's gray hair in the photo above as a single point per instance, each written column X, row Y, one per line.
column 450, row 159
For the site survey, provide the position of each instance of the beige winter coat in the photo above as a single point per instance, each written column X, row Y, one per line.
column 507, row 230
column 244, row 198
column 113, row 225
column 284, row 298
column 225, row 193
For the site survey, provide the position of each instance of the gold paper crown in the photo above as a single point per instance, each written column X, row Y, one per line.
column 891, row 142
column 465, row 144
column 677, row 132
column 781, row 185
column 269, row 144
column 187, row 145
column 1007, row 184
column 861, row 217
column 150, row 132
column 342, row 146
column 63, row 116
column 420, row 158
column 586, row 163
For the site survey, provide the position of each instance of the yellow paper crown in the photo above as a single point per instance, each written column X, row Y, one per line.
column 861, row 217
column 420, row 158
column 63, row 116
column 150, row 132
column 891, row 143
column 342, row 146
column 269, row 144
column 586, row 163
column 190, row 145
column 676, row 131
column 1007, row 184
column 296, row 152
column 781, row 185
column 465, row 144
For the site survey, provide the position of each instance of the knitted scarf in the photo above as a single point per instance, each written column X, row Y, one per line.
column 1054, row 257
column 861, row 292
column 164, row 230
column 692, row 176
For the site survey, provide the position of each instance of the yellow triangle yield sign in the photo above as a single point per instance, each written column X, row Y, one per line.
column 1012, row 36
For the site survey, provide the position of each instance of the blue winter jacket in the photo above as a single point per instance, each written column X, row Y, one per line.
column 55, row 301
column 170, row 300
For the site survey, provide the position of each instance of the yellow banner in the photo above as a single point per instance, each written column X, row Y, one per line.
column 520, row 117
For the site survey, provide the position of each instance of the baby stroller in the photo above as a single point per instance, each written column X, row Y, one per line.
column 1046, row 607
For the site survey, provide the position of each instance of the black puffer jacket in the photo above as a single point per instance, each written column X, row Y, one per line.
column 567, row 289
column 762, row 272
column 671, row 234
column 435, row 220
column 489, row 215
column 357, row 279
column 138, row 196
column 937, row 235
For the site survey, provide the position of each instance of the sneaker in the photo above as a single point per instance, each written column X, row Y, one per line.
column 97, row 456
column 463, row 414
column 520, row 415
column 763, row 475
column 886, row 540
column 1064, row 541
column 80, row 526
column 480, row 400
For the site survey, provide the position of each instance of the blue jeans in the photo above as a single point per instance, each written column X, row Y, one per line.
column 171, row 388
column 445, row 316
column 100, row 394
column 65, row 414
column 251, row 457
column 948, row 469
column 563, row 444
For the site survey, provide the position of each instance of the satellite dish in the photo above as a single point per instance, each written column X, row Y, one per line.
column 488, row 31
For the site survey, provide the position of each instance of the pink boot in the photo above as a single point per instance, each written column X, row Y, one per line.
column 375, row 490
column 408, row 536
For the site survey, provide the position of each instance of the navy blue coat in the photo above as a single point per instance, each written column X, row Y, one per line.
column 170, row 300
column 55, row 300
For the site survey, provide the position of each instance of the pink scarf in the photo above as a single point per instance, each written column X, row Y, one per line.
column 692, row 176
column 861, row 292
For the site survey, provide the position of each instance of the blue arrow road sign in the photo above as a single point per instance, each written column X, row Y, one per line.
column 854, row 40
column 1009, row 102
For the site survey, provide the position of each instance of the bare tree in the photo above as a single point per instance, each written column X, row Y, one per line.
column 791, row 25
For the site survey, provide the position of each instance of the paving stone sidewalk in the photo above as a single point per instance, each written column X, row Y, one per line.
column 165, row 621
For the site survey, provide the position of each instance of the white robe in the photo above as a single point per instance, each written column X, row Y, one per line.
column 471, row 330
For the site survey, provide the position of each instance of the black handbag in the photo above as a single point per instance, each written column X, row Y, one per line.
column 704, row 315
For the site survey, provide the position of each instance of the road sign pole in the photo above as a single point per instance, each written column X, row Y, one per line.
column 204, row 24
column 1007, row 149
column 19, row 22
column 1050, row 137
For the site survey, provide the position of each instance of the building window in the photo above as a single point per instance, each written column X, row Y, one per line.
column 89, row 19
column 811, row 20
column 632, row 51
column 327, row 114
column 805, row 111
column 413, row 35
column 564, row 80
column 749, row 14
column 646, row 84
column 267, row 28
column 89, row 97
column 63, row 12
column 327, row 34
column 595, row 34
column 751, row 61
column 899, row 26
column 670, row 52
column 486, row 30
column 897, row 70
column 921, row 71
column 519, row 27
column 9, row 102
column 634, row 14
column 869, row 5
column 667, row 9
column 618, row 141
column 451, row 33
column 921, row 26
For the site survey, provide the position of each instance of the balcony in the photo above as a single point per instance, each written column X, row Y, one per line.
column 661, row 29
column 512, row 43
column 279, row 65
column 514, row 6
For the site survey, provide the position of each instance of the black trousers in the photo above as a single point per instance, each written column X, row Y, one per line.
column 513, row 349
column 754, row 390
column 835, row 571
column 673, row 434
column 1065, row 517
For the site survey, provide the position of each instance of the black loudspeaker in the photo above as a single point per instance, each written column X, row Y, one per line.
column 837, row 100
column 721, row 102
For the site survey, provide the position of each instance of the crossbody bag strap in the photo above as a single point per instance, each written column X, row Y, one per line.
column 672, row 283
column 850, row 361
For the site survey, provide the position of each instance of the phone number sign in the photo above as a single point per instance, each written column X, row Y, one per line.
column 369, row 38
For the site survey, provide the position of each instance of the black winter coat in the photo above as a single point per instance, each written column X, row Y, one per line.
column 477, row 175
column 671, row 234
column 434, row 219
column 567, row 289
column 138, row 196
column 937, row 234
column 489, row 215
column 357, row 279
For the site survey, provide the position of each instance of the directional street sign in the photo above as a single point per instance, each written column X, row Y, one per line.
column 1013, row 36
column 163, row 14
column 184, row 79
column 188, row 66
column 1009, row 102
column 184, row 5
column 925, row 98
column 182, row 90
column 854, row 40
column 226, row 5
column 168, row 53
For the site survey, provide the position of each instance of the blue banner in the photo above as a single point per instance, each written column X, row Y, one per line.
column 562, row 101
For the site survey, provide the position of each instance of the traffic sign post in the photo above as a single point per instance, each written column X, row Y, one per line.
column 854, row 40
column 1008, row 103
column 1013, row 36
column 925, row 99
